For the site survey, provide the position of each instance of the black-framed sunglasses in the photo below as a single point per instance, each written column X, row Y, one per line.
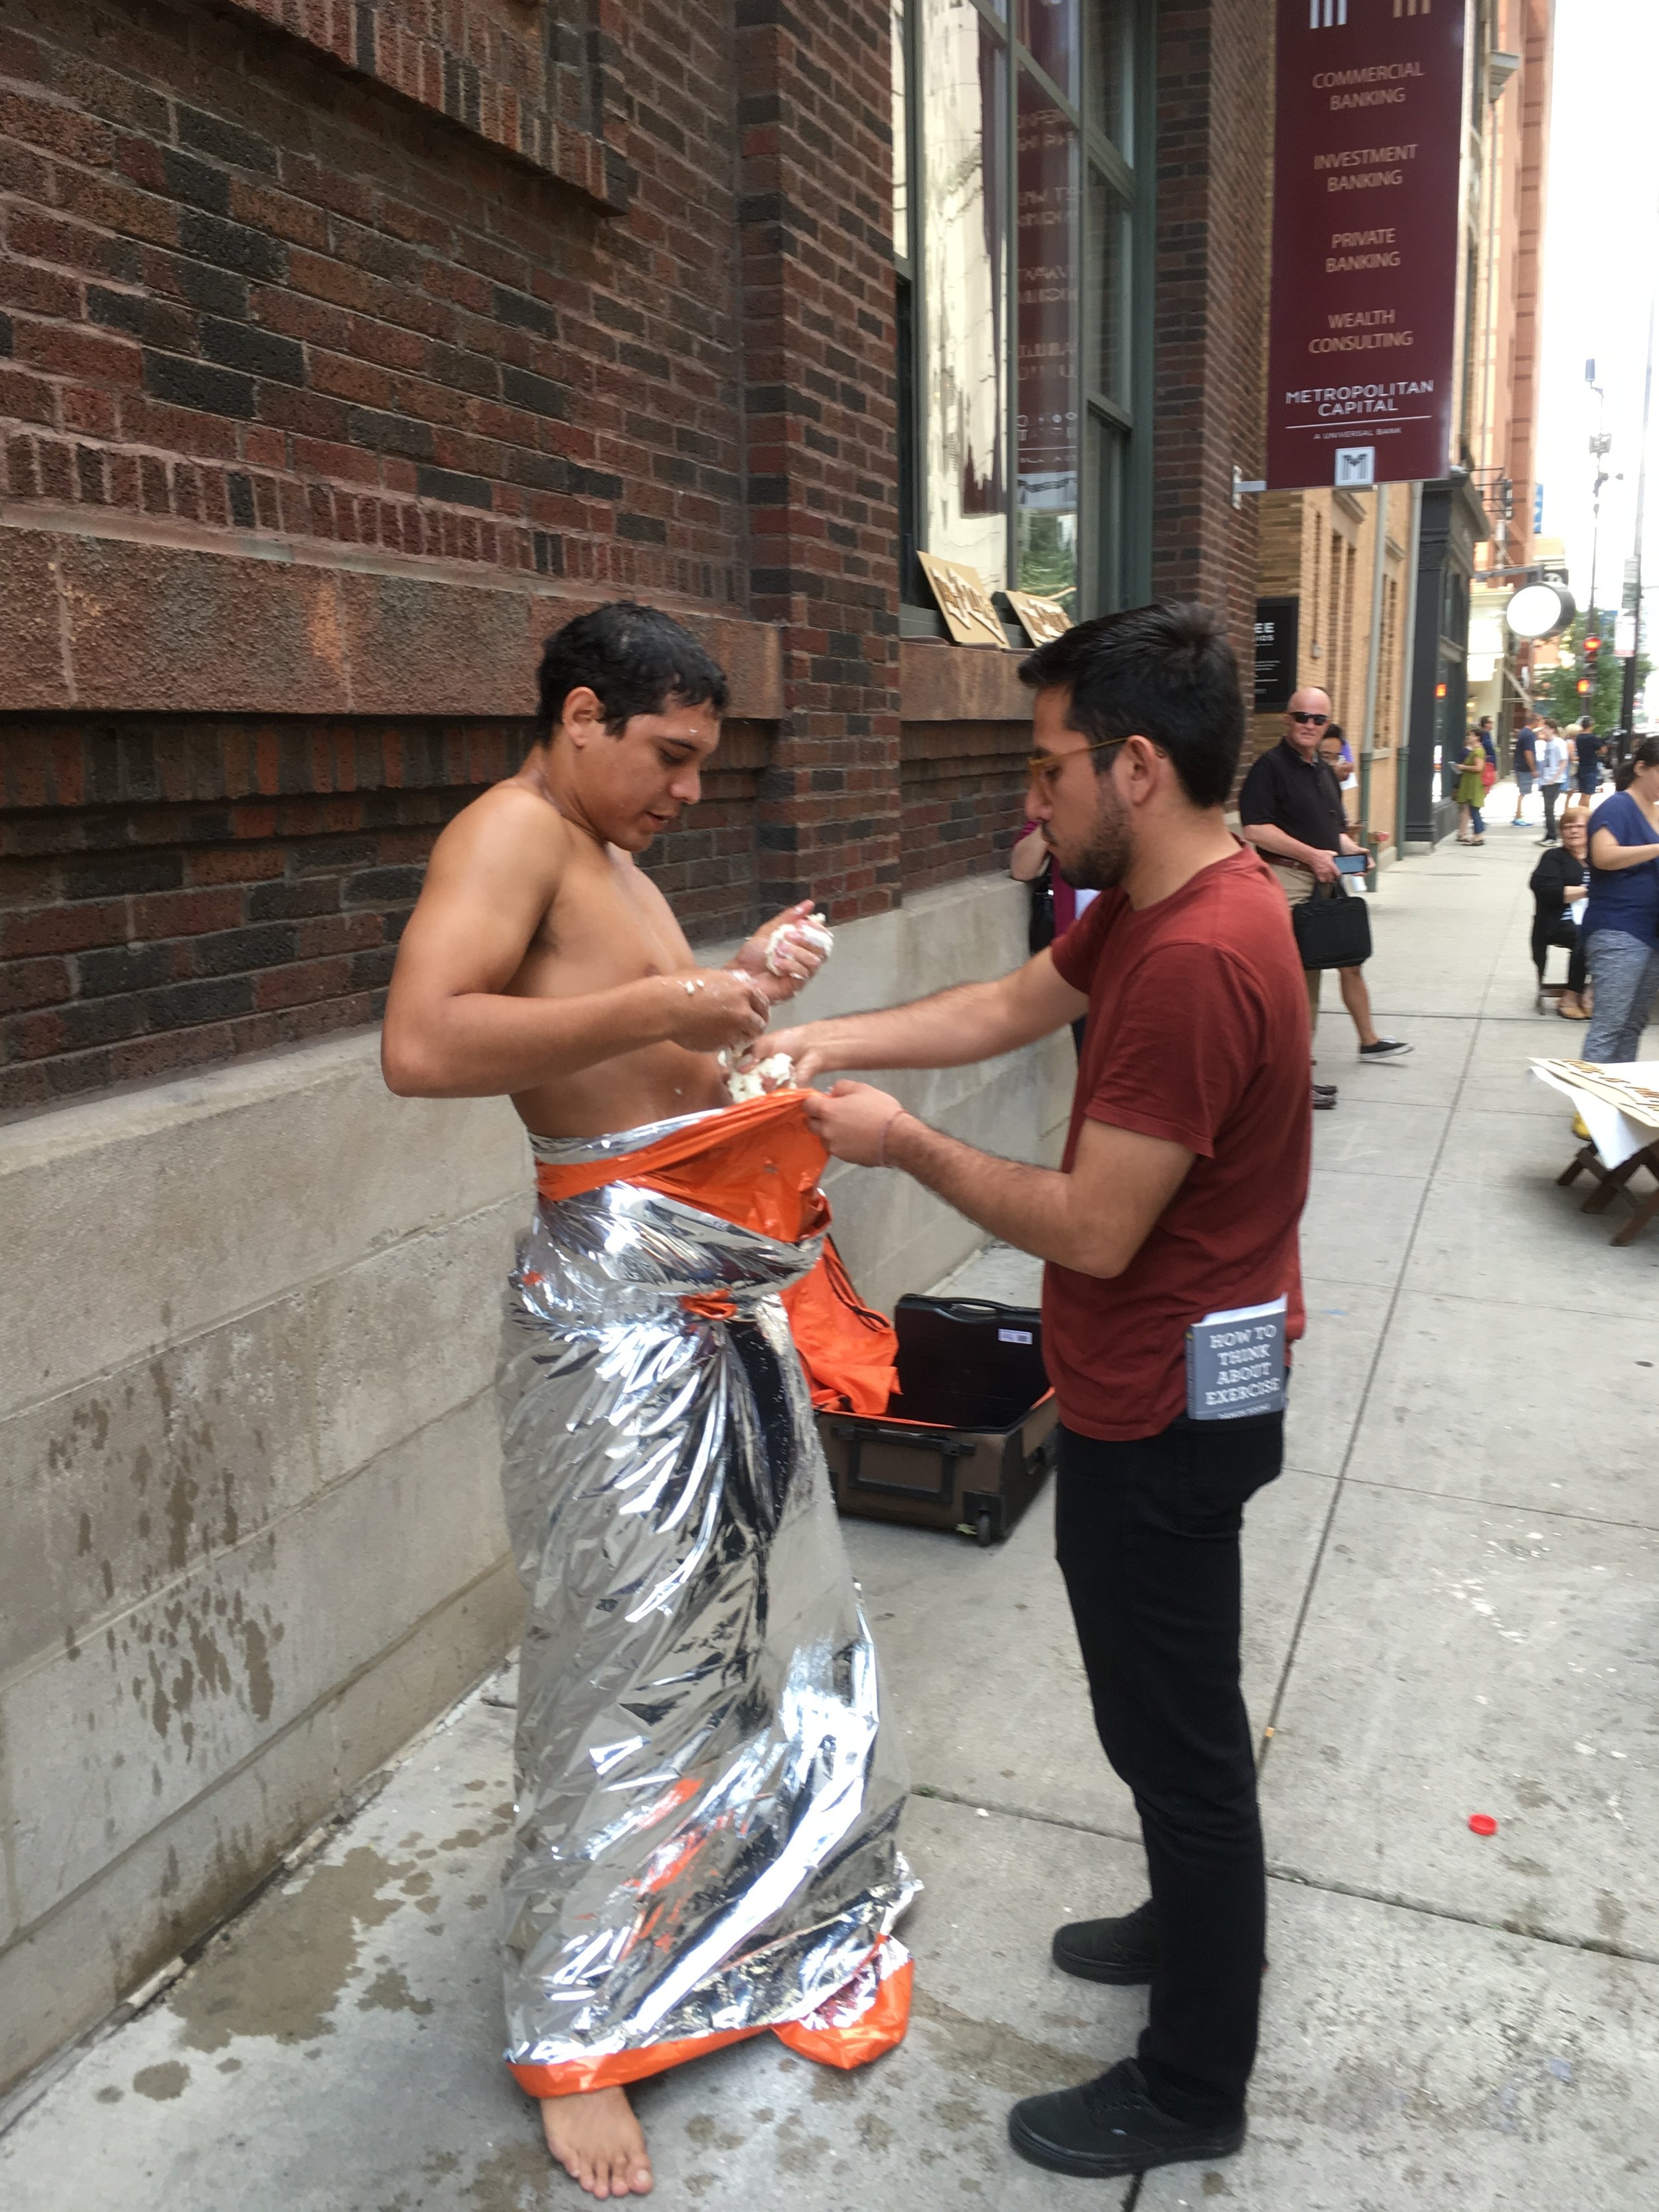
column 1296, row 715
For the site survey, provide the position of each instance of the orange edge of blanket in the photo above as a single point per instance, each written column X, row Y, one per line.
column 879, row 2029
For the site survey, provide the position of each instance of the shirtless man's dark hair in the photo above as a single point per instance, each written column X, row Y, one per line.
column 634, row 659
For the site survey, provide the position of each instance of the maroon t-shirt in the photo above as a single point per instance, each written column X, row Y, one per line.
column 1197, row 1032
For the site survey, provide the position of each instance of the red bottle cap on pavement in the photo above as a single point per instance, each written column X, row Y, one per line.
column 1483, row 1824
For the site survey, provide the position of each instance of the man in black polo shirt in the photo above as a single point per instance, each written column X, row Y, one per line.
column 1290, row 809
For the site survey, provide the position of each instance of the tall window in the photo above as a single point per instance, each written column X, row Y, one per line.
column 1014, row 208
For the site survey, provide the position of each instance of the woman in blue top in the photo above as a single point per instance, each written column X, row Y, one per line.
column 1622, row 915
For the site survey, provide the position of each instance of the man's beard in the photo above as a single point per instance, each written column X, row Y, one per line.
column 1104, row 860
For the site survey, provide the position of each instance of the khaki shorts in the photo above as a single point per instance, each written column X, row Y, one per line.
column 1298, row 885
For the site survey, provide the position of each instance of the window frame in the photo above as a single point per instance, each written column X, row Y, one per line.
column 1114, row 433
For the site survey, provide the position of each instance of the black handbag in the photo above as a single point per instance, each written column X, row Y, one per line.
column 1332, row 931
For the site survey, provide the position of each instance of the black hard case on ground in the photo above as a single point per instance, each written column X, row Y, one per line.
column 968, row 1441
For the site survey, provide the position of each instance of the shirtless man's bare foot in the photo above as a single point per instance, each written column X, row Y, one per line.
column 597, row 2140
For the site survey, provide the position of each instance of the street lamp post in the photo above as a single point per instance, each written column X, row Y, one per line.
column 1627, row 703
column 1599, row 445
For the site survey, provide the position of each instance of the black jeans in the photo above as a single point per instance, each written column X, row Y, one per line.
column 1147, row 1539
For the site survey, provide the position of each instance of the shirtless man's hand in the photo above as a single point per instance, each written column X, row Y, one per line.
column 795, row 961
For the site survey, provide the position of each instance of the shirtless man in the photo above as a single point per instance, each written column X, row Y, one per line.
column 541, row 963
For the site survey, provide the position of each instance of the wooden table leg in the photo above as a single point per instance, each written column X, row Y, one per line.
column 1585, row 1156
column 1612, row 1184
column 1642, row 1211
column 1649, row 1211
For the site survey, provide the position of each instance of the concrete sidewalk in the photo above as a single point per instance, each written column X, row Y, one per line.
column 1453, row 1607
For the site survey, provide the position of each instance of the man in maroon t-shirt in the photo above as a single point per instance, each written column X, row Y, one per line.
column 1171, row 1294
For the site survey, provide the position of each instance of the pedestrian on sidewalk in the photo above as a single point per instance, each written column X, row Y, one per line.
column 1621, row 916
column 1488, row 743
column 1055, row 904
column 1587, row 751
column 1290, row 809
column 1333, row 751
column 1471, row 790
column 1177, row 1198
column 1524, row 762
column 1553, row 758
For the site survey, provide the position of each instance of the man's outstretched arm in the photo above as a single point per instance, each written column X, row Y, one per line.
column 1094, row 1218
column 952, row 1029
column 453, row 1031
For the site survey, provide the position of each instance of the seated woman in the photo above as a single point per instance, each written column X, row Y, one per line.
column 1559, row 886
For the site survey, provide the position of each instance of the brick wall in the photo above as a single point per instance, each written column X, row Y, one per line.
column 962, row 786
column 1214, row 58
column 249, row 289
column 1300, row 533
column 820, row 344
column 174, row 894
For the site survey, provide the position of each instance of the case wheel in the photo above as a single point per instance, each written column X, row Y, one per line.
column 983, row 1533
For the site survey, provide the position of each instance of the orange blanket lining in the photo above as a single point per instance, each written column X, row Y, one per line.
column 757, row 1166
column 879, row 2029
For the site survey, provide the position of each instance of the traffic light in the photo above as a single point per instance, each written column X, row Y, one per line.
column 1592, row 653
column 1585, row 687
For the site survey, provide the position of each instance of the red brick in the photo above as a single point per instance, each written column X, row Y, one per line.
column 236, row 864
column 71, row 928
column 25, row 398
column 56, row 127
column 27, row 984
column 185, row 914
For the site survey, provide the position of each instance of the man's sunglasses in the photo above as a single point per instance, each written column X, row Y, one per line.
column 1042, row 769
column 1296, row 715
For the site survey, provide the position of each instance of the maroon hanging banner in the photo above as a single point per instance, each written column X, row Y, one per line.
column 1363, row 345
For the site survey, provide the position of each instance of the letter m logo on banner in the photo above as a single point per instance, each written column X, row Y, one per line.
column 1325, row 15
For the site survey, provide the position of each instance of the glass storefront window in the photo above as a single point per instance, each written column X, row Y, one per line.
column 1109, row 105
column 1105, row 355
column 964, row 289
column 1047, row 413
column 1016, row 215
column 901, row 136
column 1049, row 30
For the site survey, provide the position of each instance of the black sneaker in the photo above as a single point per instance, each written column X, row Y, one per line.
column 1123, row 1951
column 1384, row 1048
column 1324, row 1097
column 1111, row 2126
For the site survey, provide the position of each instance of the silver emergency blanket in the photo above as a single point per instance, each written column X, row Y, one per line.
column 708, row 1802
